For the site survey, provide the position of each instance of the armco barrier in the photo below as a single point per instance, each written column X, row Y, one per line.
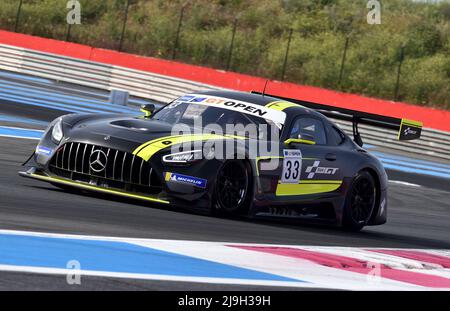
column 165, row 88
column 138, row 83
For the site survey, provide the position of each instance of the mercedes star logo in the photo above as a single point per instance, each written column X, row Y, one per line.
column 98, row 161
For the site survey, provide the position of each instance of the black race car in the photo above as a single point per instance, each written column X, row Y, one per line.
column 226, row 152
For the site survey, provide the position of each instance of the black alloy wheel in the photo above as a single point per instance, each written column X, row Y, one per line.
column 360, row 203
column 232, row 187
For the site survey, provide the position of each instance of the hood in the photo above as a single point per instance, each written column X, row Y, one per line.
column 124, row 133
column 129, row 134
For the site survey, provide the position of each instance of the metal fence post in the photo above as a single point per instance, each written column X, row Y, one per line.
column 69, row 30
column 283, row 71
column 230, row 51
column 177, row 38
column 19, row 9
column 124, row 25
column 344, row 57
column 399, row 70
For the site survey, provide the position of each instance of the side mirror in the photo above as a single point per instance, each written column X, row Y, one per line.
column 299, row 141
column 148, row 110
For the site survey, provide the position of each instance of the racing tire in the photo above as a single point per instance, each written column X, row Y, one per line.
column 360, row 202
column 232, row 191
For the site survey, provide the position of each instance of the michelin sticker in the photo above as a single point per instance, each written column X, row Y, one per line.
column 292, row 166
column 179, row 178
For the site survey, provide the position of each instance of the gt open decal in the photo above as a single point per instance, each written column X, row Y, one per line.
column 179, row 178
column 276, row 116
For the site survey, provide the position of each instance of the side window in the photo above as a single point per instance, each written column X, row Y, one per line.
column 336, row 135
column 310, row 129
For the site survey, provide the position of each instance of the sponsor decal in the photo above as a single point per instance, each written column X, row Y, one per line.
column 198, row 99
column 186, row 98
column 409, row 131
column 276, row 116
column 185, row 179
column 316, row 169
column 43, row 150
column 289, row 153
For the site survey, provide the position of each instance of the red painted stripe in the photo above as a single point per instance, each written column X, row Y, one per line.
column 416, row 255
column 354, row 265
column 434, row 118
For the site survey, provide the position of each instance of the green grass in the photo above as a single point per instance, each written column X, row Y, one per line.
column 320, row 28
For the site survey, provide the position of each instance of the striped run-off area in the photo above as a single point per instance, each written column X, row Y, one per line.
column 347, row 268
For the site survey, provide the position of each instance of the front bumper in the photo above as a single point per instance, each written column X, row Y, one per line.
column 38, row 175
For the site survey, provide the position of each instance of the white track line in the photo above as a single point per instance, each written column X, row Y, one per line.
column 404, row 183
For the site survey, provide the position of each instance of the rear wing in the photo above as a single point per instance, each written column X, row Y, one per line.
column 406, row 129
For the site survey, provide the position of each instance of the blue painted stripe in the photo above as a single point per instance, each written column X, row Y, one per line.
column 44, row 104
column 407, row 159
column 82, row 95
column 44, row 86
column 414, row 165
column 16, row 132
column 22, row 120
column 113, row 256
column 24, row 77
column 51, row 97
column 416, row 171
column 27, row 89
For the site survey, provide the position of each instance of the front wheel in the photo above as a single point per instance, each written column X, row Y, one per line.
column 360, row 202
column 232, row 188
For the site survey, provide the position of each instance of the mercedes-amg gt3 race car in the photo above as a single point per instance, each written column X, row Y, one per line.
column 281, row 158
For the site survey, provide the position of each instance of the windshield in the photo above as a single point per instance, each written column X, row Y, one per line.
column 230, row 122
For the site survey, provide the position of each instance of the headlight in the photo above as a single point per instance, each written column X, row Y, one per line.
column 57, row 132
column 183, row 157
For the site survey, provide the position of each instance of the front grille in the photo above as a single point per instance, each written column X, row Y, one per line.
column 122, row 170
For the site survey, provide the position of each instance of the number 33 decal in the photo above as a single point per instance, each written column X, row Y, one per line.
column 292, row 166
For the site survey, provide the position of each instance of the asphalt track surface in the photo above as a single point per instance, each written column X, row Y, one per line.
column 418, row 217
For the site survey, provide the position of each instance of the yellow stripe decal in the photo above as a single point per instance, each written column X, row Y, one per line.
column 95, row 188
column 412, row 123
column 308, row 187
column 167, row 176
column 148, row 149
column 299, row 141
column 281, row 105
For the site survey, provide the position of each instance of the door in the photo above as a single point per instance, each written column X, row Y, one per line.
column 310, row 164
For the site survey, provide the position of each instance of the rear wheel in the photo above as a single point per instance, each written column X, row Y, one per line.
column 232, row 189
column 360, row 202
